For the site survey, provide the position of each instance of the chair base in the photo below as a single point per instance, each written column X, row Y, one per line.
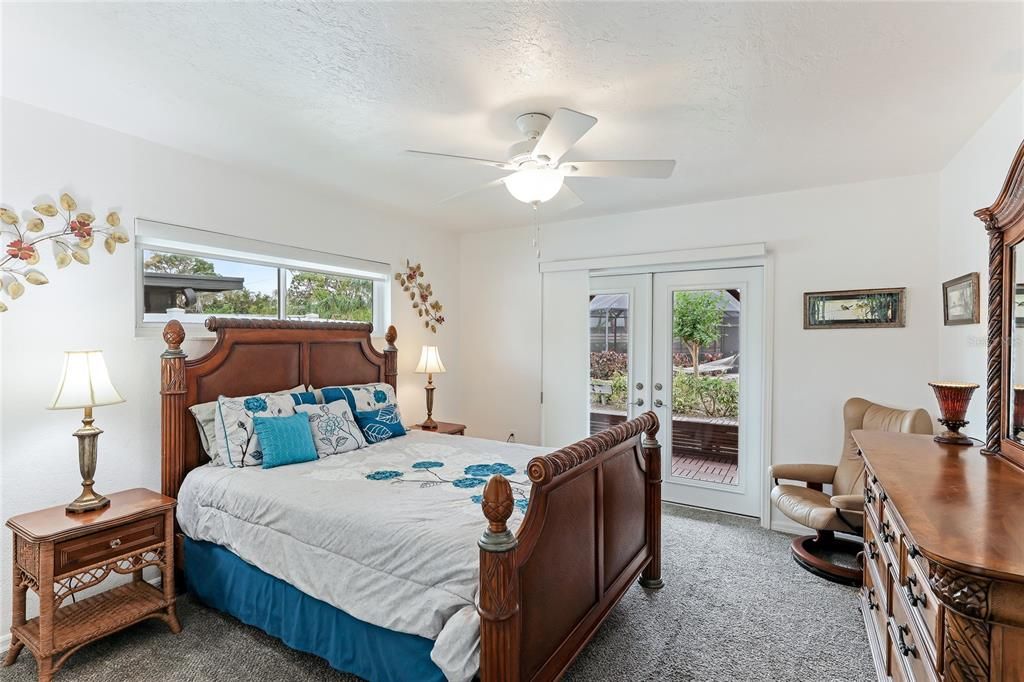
column 803, row 549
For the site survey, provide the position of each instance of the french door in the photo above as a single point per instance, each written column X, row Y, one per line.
column 689, row 346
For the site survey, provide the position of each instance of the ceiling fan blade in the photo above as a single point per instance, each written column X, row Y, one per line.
column 471, row 159
column 564, row 130
column 563, row 201
column 475, row 190
column 618, row 169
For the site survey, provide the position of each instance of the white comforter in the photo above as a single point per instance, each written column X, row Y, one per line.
column 386, row 533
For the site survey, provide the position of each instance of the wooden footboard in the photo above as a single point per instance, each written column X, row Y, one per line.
column 593, row 526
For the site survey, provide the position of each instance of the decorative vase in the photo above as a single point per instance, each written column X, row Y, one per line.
column 953, row 398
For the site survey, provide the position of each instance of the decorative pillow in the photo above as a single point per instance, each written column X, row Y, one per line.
column 374, row 406
column 333, row 427
column 238, row 444
column 361, row 397
column 205, row 415
column 284, row 440
column 378, row 425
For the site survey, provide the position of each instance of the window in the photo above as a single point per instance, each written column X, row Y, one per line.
column 192, row 274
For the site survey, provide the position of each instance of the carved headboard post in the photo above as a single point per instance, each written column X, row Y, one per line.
column 391, row 358
column 994, row 371
column 172, row 410
column 651, row 577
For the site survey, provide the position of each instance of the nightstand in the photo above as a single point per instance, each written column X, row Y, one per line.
column 449, row 428
column 58, row 554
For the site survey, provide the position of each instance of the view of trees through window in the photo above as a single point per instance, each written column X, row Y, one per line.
column 211, row 286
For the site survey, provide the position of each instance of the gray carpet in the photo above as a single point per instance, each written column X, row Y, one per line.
column 734, row 607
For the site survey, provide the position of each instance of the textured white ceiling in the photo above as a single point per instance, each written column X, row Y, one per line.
column 750, row 98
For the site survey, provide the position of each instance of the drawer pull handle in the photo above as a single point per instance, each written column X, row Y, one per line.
column 886, row 536
column 872, row 551
column 914, row 599
column 872, row 605
column 882, row 496
column 913, row 552
column 905, row 649
column 868, row 496
column 874, row 480
column 116, row 542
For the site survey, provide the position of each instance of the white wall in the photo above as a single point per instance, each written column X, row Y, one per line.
column 970, row 181
column 92, row 307
column 872, row 234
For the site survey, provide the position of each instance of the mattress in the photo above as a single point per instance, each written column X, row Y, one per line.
column 386, row 533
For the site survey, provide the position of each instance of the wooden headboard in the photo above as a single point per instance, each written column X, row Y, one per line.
column 257, row 356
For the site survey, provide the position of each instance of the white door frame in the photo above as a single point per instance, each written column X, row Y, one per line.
column 704, row 259
column 745, row 496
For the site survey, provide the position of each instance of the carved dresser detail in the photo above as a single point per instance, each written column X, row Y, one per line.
column 943, row 594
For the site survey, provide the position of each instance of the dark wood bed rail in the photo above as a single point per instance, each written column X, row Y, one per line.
column 592, row 527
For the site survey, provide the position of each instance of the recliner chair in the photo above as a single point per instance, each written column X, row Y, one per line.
column 843, row 510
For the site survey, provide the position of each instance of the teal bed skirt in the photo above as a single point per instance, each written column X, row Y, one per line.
column 220, row 579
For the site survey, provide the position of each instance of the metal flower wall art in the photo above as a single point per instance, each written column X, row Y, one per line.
column 421, row 295
column 24, row 235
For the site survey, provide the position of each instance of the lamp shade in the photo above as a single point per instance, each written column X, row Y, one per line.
column 534, row 185
column 430, row 361
column 84, row 382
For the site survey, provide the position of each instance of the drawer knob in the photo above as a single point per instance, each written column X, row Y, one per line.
column 914, row 599
column 906, row 650
column 116, row 542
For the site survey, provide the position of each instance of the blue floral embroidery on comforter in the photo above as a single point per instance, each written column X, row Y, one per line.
column 476, row 476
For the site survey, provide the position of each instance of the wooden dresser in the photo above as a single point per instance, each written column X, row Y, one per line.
column 943, row 594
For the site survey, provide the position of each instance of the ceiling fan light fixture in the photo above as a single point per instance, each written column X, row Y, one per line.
column 534, row 185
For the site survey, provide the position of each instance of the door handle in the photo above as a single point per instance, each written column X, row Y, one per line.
column 658, row 403
column 639, row 402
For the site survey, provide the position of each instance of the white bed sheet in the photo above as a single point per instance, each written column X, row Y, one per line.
column 396, row 549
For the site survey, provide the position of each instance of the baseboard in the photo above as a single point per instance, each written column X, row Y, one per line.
column 5, row 640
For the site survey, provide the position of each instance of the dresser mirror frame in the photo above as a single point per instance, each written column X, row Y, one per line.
column 1004, row 222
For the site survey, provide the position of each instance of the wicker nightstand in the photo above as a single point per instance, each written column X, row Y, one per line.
column 58, row 554
column 450, row 428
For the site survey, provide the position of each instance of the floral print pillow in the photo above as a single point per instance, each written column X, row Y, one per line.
column 334, row 428
column 237, row 443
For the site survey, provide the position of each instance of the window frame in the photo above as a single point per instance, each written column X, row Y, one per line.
column 175, row 239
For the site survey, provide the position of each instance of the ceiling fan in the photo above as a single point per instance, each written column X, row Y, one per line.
column 538, row 172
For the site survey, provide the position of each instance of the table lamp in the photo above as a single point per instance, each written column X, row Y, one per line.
column 85, row 384
column 430, row 364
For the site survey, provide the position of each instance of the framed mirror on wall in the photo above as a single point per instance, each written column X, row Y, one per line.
column 1004, row 222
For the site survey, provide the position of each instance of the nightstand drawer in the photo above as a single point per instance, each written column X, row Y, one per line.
column 77, row 553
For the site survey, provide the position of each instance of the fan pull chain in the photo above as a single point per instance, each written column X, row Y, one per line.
column 536, row 228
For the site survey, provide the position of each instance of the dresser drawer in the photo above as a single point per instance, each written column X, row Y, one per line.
column 77, row 553
column 924, row 607
column 873, row 555
column 909, row 645
column 872, row 494
column 875, row 600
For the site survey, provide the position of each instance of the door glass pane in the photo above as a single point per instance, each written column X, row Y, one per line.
column 705, row 385
column 609, row 360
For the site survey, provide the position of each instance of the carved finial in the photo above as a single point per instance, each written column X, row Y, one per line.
column 174, row 335
column 391, row 336
column 497, row 504
column 651, row 430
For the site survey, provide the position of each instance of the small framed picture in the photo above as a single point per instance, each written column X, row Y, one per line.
column 961, row 300
column 855, row 309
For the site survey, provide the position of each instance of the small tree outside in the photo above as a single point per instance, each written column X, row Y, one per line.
column 696, row 319
column 177, row 264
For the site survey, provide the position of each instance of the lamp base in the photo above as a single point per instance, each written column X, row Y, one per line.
column 953, row 438
column 429, row 425
column 89, row 500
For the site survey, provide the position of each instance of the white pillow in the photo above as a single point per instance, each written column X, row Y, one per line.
column 205, row 415
column 237, row 443
column 334, row 429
